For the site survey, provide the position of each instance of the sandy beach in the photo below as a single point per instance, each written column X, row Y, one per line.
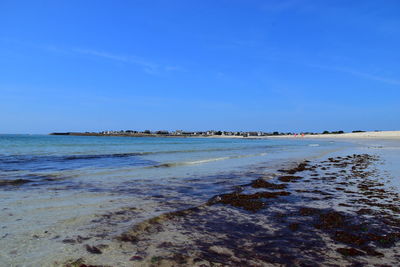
column 395, row 135
column 363, row 135
column 390, row 135
column 200, row 202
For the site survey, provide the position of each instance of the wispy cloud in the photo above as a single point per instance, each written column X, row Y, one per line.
column 371, row 76
column 148, row 66
column 353, row 72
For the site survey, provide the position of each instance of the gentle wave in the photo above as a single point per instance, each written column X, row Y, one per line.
column 61, row 163
column 117, row 155
column 17, row 159
column 14, row 159
column 21, row 179
column 183, row 163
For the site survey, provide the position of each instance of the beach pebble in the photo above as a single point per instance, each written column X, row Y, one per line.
column 136, row 258
column 69, row 241
column 93, row 249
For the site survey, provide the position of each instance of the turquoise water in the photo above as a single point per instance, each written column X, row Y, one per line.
column 107, row 163
column 66, row 183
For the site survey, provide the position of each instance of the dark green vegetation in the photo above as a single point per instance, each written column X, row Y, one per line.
column 333, row 132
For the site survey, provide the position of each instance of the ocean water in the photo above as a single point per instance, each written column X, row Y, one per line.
column 54, row 188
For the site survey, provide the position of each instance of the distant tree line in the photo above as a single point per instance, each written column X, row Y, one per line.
column 333, row 132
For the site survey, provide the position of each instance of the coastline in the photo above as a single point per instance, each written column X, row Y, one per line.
column 359, row 135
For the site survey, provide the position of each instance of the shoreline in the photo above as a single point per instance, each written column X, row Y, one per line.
column 392, row 135
column 325, row 211
column 382, row 135
column 266, row 214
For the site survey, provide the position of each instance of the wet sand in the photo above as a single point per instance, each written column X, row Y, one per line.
column 377, row 135
column 339, row 210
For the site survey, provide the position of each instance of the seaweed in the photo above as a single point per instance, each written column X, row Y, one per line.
column 15, row 182
column 260, row 183
column 250, row 202
column 289, row 178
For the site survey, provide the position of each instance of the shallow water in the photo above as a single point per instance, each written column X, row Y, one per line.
column 65, row 184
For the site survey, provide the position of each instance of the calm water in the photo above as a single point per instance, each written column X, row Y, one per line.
column 67, row 182
column 107, row 163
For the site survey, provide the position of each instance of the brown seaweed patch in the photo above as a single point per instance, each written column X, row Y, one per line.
column 178, row 258
column 305, row 211
column 365, row 211
column 261, row 183
column 250, row 202
column 294, row 226
column 301, row 167
column 81, row 263
column 79, row 239
column 289, row 178
column 372, row 252
column 349, row 238
column 128, row 237
column 314, row 192
column 69, row 241
column 154, row 224
column 136, row 258
column 331, row 219
column 372, row 203
column 350, row 252
column 344, row 228
column 93, row 249
column 15, row 182
column 385, row 240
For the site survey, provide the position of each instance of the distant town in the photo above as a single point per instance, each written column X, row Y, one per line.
column 181, row 133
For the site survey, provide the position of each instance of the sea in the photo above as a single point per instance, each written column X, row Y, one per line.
column 54, row 189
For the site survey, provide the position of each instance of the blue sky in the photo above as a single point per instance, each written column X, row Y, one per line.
column 297, row 65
